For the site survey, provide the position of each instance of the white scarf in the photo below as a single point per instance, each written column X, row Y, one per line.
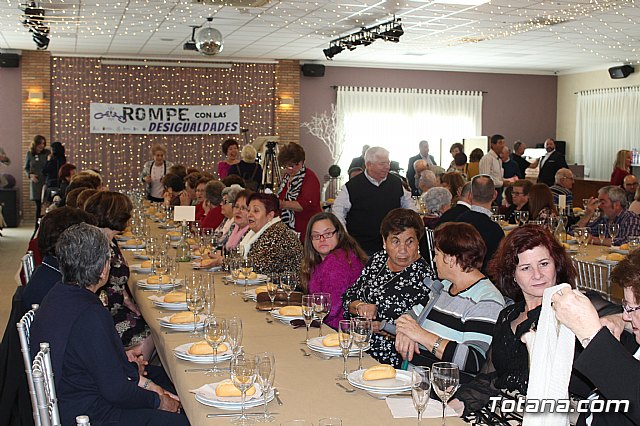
column 551, row 362
column 251, row 237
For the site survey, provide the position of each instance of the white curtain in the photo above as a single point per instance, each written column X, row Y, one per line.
column 606, row 122
column 398, row 119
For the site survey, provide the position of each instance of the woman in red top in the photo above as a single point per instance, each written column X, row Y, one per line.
column 212, row 205
column 621, row 168
column 299, row 191
column 202, row 183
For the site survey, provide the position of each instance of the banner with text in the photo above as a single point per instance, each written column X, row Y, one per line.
column 165, row 119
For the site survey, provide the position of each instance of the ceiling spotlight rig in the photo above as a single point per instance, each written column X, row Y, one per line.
column 387, row 31
column 33, row 20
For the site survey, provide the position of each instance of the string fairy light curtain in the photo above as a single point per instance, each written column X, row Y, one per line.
column 606, row 121
column 76, row 82
column 398, row 119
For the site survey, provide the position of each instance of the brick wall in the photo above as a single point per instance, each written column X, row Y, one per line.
column 36, row 115
column 287, row 119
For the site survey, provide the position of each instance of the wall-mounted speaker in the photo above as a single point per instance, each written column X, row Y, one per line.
column 622, row 71
column 312, row 70
column 9, row 60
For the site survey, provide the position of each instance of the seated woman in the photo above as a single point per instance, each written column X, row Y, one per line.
column 437, row 201
column 173, row 187
column 212, row 205
column 239, row 227
column 602, row 348
column 188, row 196
column 65, row 174
column 92, row 374
column 392, row 282
column 528, row 261
column 200, row 185
column 270, row 244
column 460, row 325
column 112, row 211
column 332, row 262
column 453, row 181
column 47, row 274
column 541, row 205
column 223, row 230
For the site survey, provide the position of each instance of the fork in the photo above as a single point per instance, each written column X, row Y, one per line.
column 346, row 389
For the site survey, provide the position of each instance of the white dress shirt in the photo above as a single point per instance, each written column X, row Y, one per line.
column 490, row 164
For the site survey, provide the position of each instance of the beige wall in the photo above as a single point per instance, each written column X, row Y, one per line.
column 568, row 85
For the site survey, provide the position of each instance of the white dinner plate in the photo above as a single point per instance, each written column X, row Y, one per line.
column 284, row 318
column 603, row 259
column 164, row 322
column 617, row 249
column 158, row 301
column 182, row 352
column 143, row 284
column 140, row 255
column 401, row 383
column 214, row 268
column 261, row 279
column 315, row 344
column 137, row 267
column 233, row 403
column 127, row 246
column 509, row 227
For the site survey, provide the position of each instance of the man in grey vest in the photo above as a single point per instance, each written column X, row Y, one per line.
column 366, row 199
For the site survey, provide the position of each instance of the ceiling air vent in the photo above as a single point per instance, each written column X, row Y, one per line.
column 233, row 3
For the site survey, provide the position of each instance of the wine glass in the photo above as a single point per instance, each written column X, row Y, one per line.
column 614, row 228
column 265, row 374
column 195, row 299
column 516, row 216
column 174, row 268
column 209, row 296
column 272, row 288
column 160, row 267
column 524, row 217
column 308, row 309
column 287, row 285
column 215, row 331
column 494, row 210
column 602, row 234
column 445, row 377
column 234, row 334
column 345, row 339
column 322, row 307
column 243, row 375
column 247, row 268
column 420, row 389
column 235, row 265
column 361, row 334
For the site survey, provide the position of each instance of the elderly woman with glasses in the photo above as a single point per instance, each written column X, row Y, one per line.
column 603, row 348
column 299, row 192
column 392, row 282
column 270, row 244
column 332, row 262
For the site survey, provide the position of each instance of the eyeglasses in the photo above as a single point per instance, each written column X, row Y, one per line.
column 325, row 236
column 629, row 309
column 517, row 193
column 227, row 202
column 243, row 208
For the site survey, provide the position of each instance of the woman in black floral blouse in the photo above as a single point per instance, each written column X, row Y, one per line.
column 392, row 282
column 112, row 211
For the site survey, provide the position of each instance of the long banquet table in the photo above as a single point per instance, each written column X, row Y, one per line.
column 306, row 383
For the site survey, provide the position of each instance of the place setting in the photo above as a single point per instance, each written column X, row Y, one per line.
column 172, row 301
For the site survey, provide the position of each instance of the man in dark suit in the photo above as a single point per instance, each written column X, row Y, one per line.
column 411, row 172
column 483, row 192
column 463, row 205
column 551, row 163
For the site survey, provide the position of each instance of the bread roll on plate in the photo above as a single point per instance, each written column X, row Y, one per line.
column 251, row 276
column 155, row 279
column 261, row 289
column 617, row 257
column 227, row 388
column 203, row 348
column 181, row 318
column 146, row 264
column 127, row 234
column 331, row 340
column 291, row 311
column 624, row 246
column 175, row 297
column 207, row 263
column 174, row 233
column 379, row 372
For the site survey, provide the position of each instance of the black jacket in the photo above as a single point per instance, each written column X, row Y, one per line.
column 548, row 170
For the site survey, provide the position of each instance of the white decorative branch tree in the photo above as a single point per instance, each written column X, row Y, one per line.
column 327, row 127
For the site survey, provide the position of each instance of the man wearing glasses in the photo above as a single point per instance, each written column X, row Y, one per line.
column 630, row 185
column 367, row 198
column 520, row 196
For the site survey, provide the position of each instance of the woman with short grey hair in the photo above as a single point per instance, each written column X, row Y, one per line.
column 437, row 201
column 212, row 204
column 223, row 230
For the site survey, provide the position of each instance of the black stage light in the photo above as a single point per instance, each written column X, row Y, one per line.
column 332, row 51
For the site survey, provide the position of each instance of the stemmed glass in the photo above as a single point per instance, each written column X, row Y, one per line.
column 160, row 268
column 287, row 285
column 420, row 389
column 602, row 234
column 234, row 334
column 524, row 217
column 445, row 377
column 209, row 296
column 195, row 299
column 308, row 309
column 494, row 210
column 322, row 307
column 345, row 339
column 582, row 235
column 215, row 331
column 361, row 334
column 266, row 372
column 614, row 228
column 247, row 268
column 173, row 269
column 235, row 265
column 272, row 288
column 243, row 375
column 516, row 215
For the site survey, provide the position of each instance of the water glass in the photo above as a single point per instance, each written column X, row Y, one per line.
column 420, row 389
column 361, row 334
column 322, row 307
column 265, row 375
column 243, row 375
column 287, row 285
column 345, row 339
column 272, row 287
column 308, row 310
column 195, row 299
column 215, row 331
column 614, row 228
column 445, row 377
column 234, row 334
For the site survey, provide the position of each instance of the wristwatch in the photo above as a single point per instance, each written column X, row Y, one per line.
column 436, row 345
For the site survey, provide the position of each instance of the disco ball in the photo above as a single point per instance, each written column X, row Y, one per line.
column 209, row 41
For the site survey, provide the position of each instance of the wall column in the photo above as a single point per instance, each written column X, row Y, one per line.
column 287, row 117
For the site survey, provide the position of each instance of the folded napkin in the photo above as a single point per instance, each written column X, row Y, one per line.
column 402, row 408
column 208, row 391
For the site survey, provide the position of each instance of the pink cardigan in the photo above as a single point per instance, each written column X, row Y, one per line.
column 334, row 275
